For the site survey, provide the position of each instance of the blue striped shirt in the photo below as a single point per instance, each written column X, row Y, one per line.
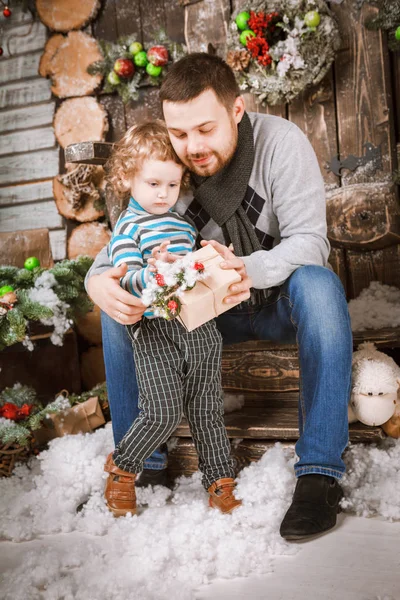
column 135, row 235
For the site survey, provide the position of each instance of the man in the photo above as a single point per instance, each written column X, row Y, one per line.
column 256, row 185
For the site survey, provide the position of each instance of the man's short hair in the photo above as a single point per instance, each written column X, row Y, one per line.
column 194, row 74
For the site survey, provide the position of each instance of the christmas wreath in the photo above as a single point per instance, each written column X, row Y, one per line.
column 278, row 48
column 55, row 297
column 387, row 19
column 128, row 66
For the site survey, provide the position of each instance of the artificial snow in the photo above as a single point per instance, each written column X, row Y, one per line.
column 175, row 543
column 377, row 306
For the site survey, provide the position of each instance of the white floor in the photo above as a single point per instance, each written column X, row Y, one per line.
column 359, row 560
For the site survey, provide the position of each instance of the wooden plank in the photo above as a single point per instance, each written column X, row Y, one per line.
column 33, row 216
column 128, row 18
column 48, row 368
column 24, row 141
column 20, row 67
column 175, row 21
column 18, row 16
column 24, row 38
column 206, row 23
column 279, row 110
column 105, row 24
column 337, row 260
column 27, row 117
column 276, row 370
column 388, row 337
column 58, row 243
column 363, row 94
column 27, row 192
column 146, row 108
column 276, row 424
column 17, row 245
column 379, row 265
column 152, row 20
column 29, row 167
column 116, row 116
column 314, row 112
column 21, row 93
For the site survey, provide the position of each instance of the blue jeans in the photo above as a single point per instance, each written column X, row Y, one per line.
column 309, row 310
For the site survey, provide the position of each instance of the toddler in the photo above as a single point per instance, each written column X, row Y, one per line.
column 178, row 372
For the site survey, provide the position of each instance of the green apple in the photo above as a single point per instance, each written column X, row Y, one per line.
column 31, row 263
column 5, row 289
column 140, row 59
column 134, row 48
column 153, row 70
column 312, row 18
column 241, row 20
column 113, row 78
column 245, row 35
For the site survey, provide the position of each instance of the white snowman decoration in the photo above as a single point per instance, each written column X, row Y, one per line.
column 375, row 383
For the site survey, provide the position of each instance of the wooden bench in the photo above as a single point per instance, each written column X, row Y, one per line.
column 267, row 374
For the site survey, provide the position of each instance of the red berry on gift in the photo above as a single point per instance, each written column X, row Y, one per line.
column 160, row 280
column 198, row 266
column 124, row 67
column 7, row 12
column 158, row 56
column 172, row 306
column 9, row 411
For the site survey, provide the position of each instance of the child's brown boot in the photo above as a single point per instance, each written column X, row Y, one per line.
column 221, row 495
column 120, row 489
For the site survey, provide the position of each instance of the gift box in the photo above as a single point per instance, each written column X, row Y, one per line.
column 81, row 418
column 205, row 301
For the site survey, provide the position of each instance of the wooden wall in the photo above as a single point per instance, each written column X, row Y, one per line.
column 352, row 106
column 29, row 157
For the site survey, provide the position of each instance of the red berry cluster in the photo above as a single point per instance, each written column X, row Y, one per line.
column 11, row 411
column 172, row 306
column 261, row 23
column 160, row 280
column 199, row 266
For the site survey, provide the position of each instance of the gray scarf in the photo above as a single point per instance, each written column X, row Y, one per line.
column 222, row 194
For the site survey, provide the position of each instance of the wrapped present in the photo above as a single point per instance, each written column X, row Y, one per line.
column 205, row 301
column 80, row 418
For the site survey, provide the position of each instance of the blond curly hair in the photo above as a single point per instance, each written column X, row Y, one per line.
column 148, row 140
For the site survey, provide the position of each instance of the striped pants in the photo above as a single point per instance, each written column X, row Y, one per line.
column 178, row 373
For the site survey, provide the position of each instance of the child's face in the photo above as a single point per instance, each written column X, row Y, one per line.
column 156, row 185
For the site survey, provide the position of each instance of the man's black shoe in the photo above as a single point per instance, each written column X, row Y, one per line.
column 314, row 507
column 152, row 477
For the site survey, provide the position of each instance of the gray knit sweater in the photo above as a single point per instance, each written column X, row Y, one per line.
column 286, row 203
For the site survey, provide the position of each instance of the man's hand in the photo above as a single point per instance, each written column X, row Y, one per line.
column 240, row 291
column 106, row 292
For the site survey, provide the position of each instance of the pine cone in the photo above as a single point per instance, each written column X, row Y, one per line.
column 238, row 60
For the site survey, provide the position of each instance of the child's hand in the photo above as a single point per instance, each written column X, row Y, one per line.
column 160, row 253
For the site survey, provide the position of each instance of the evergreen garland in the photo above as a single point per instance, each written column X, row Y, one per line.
column 128, row 88
column 388, row 19
column 69, row 300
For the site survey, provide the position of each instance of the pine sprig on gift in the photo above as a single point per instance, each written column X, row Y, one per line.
column 19, row 394
column 13, row 433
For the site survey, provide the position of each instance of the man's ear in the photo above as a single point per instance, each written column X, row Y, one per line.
column 238, row 109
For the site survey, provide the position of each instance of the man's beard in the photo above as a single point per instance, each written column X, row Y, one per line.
column 221, row 159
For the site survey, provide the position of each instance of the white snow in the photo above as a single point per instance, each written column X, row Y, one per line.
column 175, row 543
column 377, row 306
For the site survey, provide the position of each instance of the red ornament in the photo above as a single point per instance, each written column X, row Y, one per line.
column 158, row 56
column 172, row 306
column 124, row 67
column 160, row 280
column 9, row 411
column 198, row 266
column 7, row 12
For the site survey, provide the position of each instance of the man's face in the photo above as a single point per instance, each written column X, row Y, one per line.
column 203, row 132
